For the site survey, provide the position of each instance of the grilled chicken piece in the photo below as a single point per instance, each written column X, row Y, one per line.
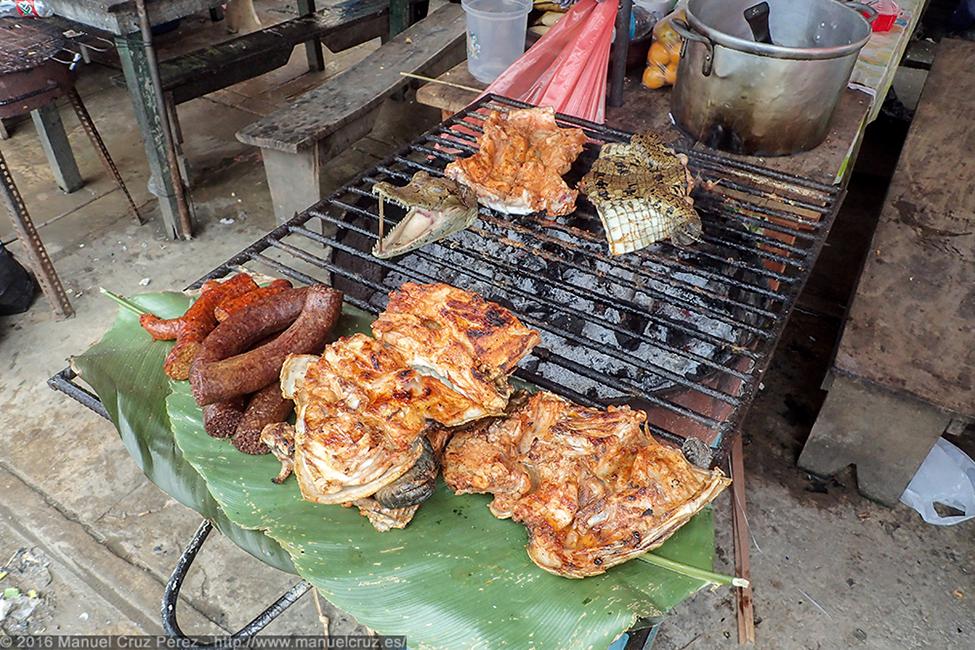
column 592, row 487
column 360, row 414
column 458, row 337
column 518, row 168
column 440, row 358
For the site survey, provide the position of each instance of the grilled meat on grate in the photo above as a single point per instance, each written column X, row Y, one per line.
column 592, row 486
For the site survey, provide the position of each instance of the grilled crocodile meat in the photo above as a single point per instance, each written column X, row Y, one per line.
column 436, row 208
column 641, row 191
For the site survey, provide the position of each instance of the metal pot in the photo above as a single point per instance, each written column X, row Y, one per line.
column 739, row 95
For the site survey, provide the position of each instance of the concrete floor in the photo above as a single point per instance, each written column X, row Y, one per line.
column 96, row 540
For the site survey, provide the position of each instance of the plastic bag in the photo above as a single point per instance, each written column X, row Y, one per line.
column 17, row 287
column 664, row 53
column 946, row 476
column 566, row 69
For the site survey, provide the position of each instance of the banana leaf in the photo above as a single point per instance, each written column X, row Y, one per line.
column 455, row 577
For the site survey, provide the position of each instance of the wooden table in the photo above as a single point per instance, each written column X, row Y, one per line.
column 644, row 109
column 119, row 18
column 904, row 370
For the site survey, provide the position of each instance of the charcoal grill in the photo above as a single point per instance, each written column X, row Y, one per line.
column 685, row 333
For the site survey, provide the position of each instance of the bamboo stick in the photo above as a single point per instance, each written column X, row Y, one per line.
column 442, row 82
column 743, row 598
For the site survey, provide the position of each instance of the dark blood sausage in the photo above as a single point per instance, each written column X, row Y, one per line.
column 199, row 321
column 236, row 303
column 220, row 419
column 218, row 375
column 267, row 406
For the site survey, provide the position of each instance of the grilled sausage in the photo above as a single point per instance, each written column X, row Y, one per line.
column 236, row 303
column 199, row 321
column 267, row 406
column 160, row 329
column 167, row 329
column 218, row 375
column 220, row 419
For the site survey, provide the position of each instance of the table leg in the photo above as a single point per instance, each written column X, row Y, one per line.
column 40, row 263
column 135, row 66
column 399, row 16
column 57, row 148
column 313, row 48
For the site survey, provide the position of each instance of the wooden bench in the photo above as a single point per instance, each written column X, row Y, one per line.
column 295, row 141
column 904, row 371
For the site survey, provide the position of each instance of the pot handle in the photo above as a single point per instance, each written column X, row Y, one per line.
column 864, row 9
column 685, row 32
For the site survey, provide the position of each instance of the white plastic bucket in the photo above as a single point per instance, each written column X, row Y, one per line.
column 495, row 35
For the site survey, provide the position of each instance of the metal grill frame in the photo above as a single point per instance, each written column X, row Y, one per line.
column 743, row 194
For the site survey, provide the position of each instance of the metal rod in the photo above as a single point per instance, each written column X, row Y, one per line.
column 96, row 139
column 185, row 223
column 170, row 600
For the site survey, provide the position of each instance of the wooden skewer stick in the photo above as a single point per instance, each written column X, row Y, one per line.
column 743, row 597
column 381, row 219
column 442, row 82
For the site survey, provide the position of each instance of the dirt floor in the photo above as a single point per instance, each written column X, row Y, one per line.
column 85, row 530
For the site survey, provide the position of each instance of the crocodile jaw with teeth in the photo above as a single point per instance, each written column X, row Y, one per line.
column 436, row 208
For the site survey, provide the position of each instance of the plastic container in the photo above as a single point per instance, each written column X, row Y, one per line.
column 495, row 35
column 887, row 14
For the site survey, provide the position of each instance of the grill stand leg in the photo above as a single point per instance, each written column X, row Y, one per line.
column 57, row 148
column 40, row 263
column 96, row 140
column 171, row 597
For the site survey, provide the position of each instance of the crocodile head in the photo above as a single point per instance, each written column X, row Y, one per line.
column 436, row 207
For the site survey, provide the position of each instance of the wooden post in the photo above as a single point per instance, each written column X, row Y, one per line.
column 135, row 66
column 739, row 521
column 399, row 16
column 621, row 47
column 57, row 148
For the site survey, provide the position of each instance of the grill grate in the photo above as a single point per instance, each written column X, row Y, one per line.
column 684, row 333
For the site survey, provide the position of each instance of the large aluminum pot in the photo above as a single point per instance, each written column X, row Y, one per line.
column 736, row 94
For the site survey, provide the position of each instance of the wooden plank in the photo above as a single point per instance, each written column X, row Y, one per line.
column 426, row 47
column 912, row 324
column 644, row 109
column 745, row 606
column 119, row 17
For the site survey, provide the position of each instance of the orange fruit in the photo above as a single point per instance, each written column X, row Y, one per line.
column 658, row 54
column 653, row 77
column 670, row 75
